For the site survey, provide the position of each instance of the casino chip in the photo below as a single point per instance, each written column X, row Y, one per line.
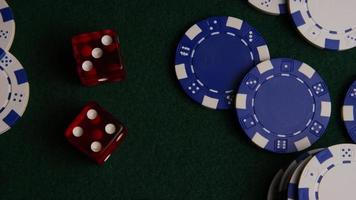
column 330, row 174
column 328, row 24
column 7, row 26
column 283, row 105
column 348, row 111
column 213, row 56
column 292, row 193
column 272, row 7
column 283, row 185
column 14, row 90
column 273, row 188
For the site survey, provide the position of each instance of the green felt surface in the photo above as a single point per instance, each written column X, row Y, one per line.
column 176, row 149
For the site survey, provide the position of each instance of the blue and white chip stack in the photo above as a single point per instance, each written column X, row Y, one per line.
column 322, row 174
column 326, row 24
column 14, row 86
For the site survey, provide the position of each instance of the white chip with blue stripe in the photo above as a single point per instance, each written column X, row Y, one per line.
column 330, row 174
column 7, row 26
column 328, row 24
column 272, row 7
column 14, row 90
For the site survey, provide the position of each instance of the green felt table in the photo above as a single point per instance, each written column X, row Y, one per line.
column 175, row 149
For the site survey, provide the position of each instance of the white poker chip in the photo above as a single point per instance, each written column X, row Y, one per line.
column 328, row 24
column 272, row 7
column 283, row 185
column 14, row 90
column 7, row 26
column 330, row 174
column 292, row 193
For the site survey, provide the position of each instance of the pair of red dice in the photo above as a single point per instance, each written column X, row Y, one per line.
column 95, row 132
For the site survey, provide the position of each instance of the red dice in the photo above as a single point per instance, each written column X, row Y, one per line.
column 95, row 132
column 98, row 57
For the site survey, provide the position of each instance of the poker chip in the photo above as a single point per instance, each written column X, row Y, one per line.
column 14, row 90
column 273, row 188
column 330, row 174
column 292, row 193
column 283, row 186
column 283, row 105
column 327, row 24
column 348, row 111
column 213, row 56
column 272, row 7
column 7, row 26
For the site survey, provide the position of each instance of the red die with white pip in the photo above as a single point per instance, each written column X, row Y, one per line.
column 95, row 132
column 98, row 57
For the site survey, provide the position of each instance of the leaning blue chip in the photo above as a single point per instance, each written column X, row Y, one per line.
column 283, row 105
column 213, row 56
column 349, row 111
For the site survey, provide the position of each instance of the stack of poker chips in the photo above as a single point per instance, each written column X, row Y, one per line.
column 318, row 174
column 14, row 83
column 315, row 23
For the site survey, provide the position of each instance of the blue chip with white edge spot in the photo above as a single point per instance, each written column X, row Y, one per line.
column 349, row 111
column 14, row 90
column 213, row 56
column 330, row 174
column 283, row 105
column 327, row 24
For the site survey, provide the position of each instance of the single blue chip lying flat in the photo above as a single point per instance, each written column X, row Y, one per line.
column 213, row 56
column 349, row 111
column 283, row 105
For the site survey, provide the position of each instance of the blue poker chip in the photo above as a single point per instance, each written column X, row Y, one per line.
column 213, row 56
column 349, row 111
column 283, row 105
